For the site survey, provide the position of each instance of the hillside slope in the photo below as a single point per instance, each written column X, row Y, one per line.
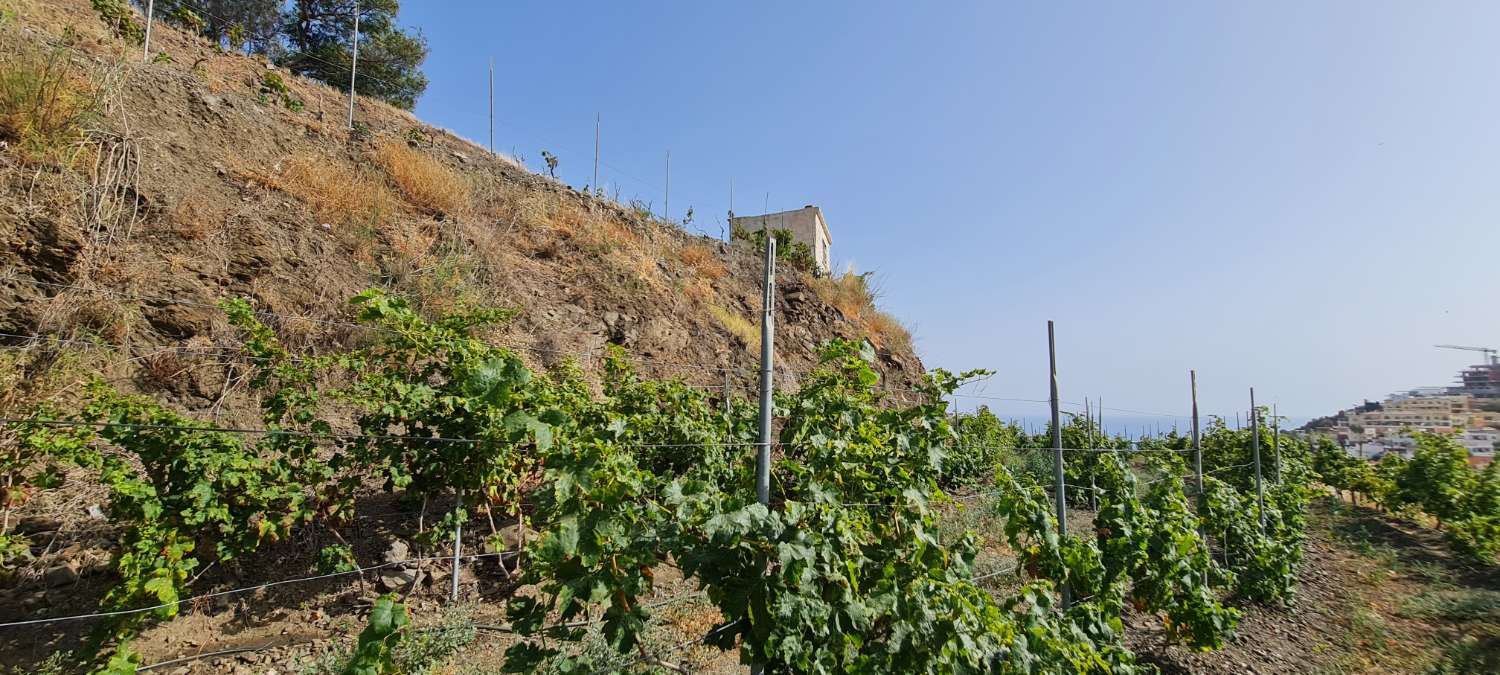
column 203, row 176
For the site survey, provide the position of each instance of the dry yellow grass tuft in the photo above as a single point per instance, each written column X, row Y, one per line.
column 738, row 326
column 425, row 182
column 852, row 295
column 702, row 259
column 336, row 191
column 44, row 102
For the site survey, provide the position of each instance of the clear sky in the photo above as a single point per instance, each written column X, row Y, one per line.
column 1297, row 196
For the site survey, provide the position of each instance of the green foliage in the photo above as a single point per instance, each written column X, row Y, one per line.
column 273, row 86
column 434, row 381
column 335, row 559
column 187, row 18
column 847, row 569
column 390, row 58
column 984, row 443
column 382, row 636
column 788, row 250
column 1437, row 481
column 117, row 15
column 1438, row 477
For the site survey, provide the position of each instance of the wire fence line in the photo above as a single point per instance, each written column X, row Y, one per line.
column 501, row 555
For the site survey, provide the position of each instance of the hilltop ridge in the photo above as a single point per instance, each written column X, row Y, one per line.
column 206, row 175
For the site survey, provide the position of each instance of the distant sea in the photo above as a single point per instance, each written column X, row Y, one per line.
column 1136, row 426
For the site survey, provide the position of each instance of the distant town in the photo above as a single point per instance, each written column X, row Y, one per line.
column 1469, row 410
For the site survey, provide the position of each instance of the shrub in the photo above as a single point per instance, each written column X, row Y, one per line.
column 44, row 102
column 788, row 250
column 272, row 85
column 425, row 182
column 117, row 15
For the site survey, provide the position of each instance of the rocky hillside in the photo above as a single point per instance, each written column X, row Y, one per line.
column 135, row 196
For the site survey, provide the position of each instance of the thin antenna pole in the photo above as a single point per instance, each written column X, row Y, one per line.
column 1057, row 456
column 150, row 16
column 492, row 105
column 666, row 202
column 354, row 63
column 597, row 121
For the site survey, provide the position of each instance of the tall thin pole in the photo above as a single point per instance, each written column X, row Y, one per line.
column 728, row 404
column 597, row 121
column 666, row 202
column 1276, row 440
column 150, row 16
column 492, row 105
column 767, row 353
column 458, row 544
column 767, row 338
column 1088, row 414
column 1198, row 465
column 1197, row 445
column 353, row 63
column 1057, row 455
column 1260, row 491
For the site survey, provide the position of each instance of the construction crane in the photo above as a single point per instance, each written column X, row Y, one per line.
column 1489, row 353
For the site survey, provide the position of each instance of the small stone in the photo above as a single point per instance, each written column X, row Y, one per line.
column 96, row 513
column 399, row 580
column 397, row 552
column 61, row 575
column 37, row 525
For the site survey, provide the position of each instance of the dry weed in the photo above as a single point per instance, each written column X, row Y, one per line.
column 703, row 260
column 853, row 296
column 192, row 218
column 737, row 326
column 336, row 191
column 45, row 102
column 427, row 183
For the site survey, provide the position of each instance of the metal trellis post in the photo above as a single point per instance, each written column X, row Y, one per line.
column 767, row 353
column 353, row 63
column 1198, row 463
column 1260, row 490
column 458, row 545
column 1088, row 413
column 1276, row 441
column 1057, row 455
column 767, row 339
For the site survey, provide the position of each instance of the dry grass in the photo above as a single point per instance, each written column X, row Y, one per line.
column 737, row 326
column 45, row 102
column 703, row 260
column 854, row 297
column 425, row 182
column 336, row 191
column 193, row 218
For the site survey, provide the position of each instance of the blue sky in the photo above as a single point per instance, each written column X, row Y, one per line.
column 1295, row 196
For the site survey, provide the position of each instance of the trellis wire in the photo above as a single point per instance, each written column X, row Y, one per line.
column 197, row 598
